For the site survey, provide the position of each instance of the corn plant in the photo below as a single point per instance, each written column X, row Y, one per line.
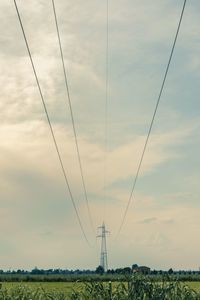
column 136, row 288
column 27, row 293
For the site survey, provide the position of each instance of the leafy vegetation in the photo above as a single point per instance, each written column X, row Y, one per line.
column 27, row 293
column 136, row 287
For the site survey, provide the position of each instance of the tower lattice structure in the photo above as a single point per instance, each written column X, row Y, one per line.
column 103, row 255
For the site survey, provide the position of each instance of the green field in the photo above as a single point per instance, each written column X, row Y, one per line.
column 68, row 287
column 195, row 285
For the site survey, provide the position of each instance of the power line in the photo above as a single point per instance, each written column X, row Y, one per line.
column 72, row 115
column 106, row 107
column 153, row 118
column 50, row 126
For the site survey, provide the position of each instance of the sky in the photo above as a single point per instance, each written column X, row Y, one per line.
column 37, row 220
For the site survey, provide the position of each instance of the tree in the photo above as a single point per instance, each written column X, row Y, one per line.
column 134, row 267
column 127, row 270
column 170, row 272
column 111, row 271
column 99, row 270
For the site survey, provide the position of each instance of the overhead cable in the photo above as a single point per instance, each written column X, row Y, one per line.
column 106, row 108
column 72, row 115
column 50, row 126
column 153, row 118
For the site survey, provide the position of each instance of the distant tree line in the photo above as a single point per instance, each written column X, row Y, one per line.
column 99, row 270
column 37, row 271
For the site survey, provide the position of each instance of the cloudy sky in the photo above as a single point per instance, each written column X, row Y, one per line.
column 38, row 226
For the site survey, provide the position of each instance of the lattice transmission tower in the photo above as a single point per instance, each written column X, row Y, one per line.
column 103, row 255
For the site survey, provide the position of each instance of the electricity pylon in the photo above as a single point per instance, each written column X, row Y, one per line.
column 103, row 256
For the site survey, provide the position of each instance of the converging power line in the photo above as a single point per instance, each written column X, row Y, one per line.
column 50, row 126
column 106, row 108
column 72, row 116
column 153, row 118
